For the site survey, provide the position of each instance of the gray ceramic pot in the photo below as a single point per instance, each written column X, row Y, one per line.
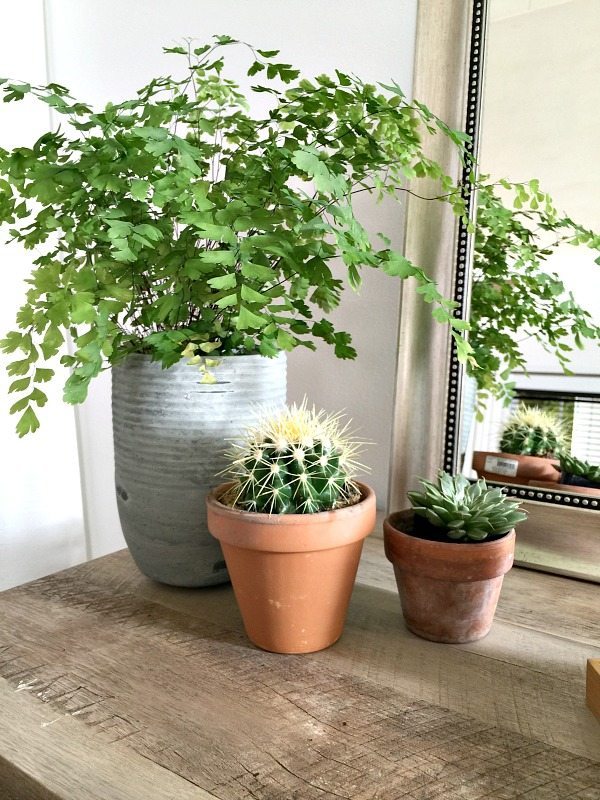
column 170, row 432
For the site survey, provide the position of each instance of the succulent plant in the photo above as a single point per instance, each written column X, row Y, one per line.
column 581, row 469
column 464, row 510
column 532, row 432
column 297, row 461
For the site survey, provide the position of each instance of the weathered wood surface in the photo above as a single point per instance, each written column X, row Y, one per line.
column 114, row 687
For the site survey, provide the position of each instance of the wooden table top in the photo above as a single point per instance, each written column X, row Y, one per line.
column 116, row 688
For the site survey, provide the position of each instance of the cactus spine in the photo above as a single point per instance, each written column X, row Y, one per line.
column 532, row 432
column 299, row 461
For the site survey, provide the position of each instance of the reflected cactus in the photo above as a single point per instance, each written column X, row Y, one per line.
column 299, row 461
column 533, row 432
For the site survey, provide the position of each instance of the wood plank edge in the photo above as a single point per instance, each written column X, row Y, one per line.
column 592, row 692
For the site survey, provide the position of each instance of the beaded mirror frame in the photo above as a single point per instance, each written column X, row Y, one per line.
column 449, row 78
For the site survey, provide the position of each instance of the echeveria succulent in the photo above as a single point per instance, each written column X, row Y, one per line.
column 465, row 510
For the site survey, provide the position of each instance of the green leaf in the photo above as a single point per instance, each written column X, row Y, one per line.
column 285, row 340
column 217, row 233
column 139, row 189
column 315, row 168
column 28, row 423
column 223, row 281
column 200, row 191
column 13, row 341
column 209, row 347
column 76, row 389
column 19, row 385
column 149, row 231
column 177, row 49
column 251, row 296
column 19, row 367
column 187, row 162
column 226, row 302
column 248, row 319
column 195, row 268
column 398, row 266
column 255, row 67
column 226, row 258
column 83, row 308
column 257, row 272
column 38, row 397
column 52, row 341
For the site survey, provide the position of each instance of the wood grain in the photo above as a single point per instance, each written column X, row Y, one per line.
column 114, row 687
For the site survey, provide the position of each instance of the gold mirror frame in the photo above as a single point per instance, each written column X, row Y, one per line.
column 561, row 534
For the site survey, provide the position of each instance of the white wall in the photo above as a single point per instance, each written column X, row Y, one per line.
column 41, row 515
column 105, row 50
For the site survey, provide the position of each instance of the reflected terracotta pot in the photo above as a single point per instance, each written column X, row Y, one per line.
column 292, row 574
column 448, row 590
column 511, row 468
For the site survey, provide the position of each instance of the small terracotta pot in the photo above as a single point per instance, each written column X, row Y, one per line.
column 292, row 574
column 448, row 590
column 517, row 469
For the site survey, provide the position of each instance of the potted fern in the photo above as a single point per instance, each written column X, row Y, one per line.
column 450, row 553
column 177, row 227
column 291, row 523
column 531, row 441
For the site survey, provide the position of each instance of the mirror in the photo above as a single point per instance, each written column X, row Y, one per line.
column 534, row 424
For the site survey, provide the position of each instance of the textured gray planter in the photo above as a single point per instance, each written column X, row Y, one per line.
column 169, row 433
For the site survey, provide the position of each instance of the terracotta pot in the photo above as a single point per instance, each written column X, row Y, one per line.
column 511, row 468
column 292, row 574
column 448, row 590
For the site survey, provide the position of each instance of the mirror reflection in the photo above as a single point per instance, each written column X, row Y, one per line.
column 531, row 413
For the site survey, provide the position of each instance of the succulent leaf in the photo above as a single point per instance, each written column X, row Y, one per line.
column 466, row 511
column 580, row 468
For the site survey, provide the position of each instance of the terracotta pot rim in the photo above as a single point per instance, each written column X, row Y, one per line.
column 260, row 518
column 291, row 533
column 475, row 547
column 517, row 456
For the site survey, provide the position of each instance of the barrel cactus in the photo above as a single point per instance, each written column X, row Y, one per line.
column 297, row 461
column 466, row 511
column 533, row 432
